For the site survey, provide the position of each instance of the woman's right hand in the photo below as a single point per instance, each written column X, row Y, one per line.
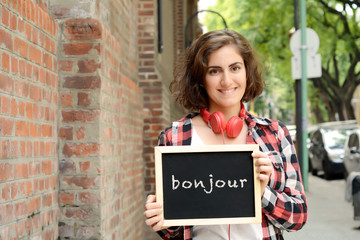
column 152, row 213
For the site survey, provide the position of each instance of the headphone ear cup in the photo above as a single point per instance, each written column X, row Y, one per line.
column 217, row 122
column 234, row 126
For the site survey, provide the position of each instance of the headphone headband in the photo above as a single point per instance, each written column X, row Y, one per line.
column 217, row 122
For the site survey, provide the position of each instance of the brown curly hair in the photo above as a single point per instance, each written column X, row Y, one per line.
column 189, row 74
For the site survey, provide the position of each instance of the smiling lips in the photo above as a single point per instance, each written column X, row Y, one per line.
column 227, row 91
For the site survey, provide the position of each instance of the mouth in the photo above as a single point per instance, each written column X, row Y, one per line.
column 227, row 91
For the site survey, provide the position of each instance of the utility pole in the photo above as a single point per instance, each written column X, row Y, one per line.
column 305, row 161
column 298, row 106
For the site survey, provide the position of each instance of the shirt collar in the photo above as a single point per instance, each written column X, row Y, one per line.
column 251, row 120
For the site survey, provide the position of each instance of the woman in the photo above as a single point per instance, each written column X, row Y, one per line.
column 221, row 72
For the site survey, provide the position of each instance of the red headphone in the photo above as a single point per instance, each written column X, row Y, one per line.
column 217, row 122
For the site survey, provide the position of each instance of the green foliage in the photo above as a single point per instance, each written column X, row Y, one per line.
column 267, row 24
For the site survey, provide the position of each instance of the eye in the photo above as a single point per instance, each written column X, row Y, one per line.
column 235, row 68
column 213, row 71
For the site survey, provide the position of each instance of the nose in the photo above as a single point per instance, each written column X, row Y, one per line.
column 225, row 79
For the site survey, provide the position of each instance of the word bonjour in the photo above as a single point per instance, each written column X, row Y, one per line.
column 219, row 183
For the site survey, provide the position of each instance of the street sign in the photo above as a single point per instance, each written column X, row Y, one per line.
column 313, row 60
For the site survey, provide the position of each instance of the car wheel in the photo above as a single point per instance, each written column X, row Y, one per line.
column 328, row 173
column 346, row 174
column 312, row 169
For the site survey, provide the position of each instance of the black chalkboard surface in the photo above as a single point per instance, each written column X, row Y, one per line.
column 214, row 184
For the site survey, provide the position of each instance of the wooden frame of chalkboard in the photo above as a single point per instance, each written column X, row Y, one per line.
column 206, row 185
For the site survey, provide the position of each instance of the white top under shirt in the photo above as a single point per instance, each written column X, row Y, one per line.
column 218, row 232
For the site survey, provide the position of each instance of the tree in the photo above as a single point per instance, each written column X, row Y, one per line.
column 268, row 23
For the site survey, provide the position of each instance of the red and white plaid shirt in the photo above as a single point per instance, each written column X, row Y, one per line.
column 284, row 205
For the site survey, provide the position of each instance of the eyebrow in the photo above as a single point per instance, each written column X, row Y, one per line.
column 241, row 63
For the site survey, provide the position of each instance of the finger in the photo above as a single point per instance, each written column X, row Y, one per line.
column 259, row 154
column 264, row 169
column 151, row 198
column 152, row 205
column 152, row 212
column 263, row 161
column 159, row 225
column 153, row 221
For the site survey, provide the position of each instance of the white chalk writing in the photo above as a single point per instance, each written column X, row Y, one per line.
column 219, row 183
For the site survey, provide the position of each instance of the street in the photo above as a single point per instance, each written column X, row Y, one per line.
column 330, row 216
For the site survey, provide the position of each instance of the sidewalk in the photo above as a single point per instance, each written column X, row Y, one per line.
column 330, row 217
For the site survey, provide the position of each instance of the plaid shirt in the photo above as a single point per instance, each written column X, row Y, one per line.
column 284, row 206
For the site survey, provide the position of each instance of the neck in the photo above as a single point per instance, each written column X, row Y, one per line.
column 228, row 112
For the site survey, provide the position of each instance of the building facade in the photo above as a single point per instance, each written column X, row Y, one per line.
column 83, row 96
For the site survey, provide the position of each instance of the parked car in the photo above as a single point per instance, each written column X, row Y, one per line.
column 352, row 153
column 326, row 150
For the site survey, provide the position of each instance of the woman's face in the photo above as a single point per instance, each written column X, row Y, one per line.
column 225, row 79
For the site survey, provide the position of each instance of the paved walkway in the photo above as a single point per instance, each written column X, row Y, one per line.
column 330, row 216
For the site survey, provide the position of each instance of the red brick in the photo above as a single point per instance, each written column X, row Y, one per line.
column 22, row 67
column 77, row 48
column 5, row 171
column 35, row 93
column 5, row 61
column 13, row 107
column 29, row 70
column 47, row 200
column 66, row 99
column 5, row 16
column 14, row 65
column 67, row 167
column 83, row 99
column 21, row 170
column 13, row 21
column 21, row 47
column 29, row 187
column 6, row 127
column 82, row 149
column 66, row 198
column 79, row 116
column 66, row 65
column 84, row 182
column 6, row 83
column 21, row 88
column 5, row 108
column 47, row 61
column 35, row 54
column 6, row 39
column 28, row 31
column 22, row 128
column 88, row 66
column 29, row 110
column 66, row 133
column 46, row 167
column 14, row 190
column 6, row 192
column 82, row 29
column 21, row 25
column 34, row 168
column 81, row 212
column 80, row 133
column 82, row 82
column 88, row 198
column 84, row 166
column 6, row 213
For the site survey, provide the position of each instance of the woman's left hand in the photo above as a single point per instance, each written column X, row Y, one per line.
column 264, row 168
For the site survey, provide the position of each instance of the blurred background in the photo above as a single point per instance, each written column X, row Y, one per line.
column 84, row 93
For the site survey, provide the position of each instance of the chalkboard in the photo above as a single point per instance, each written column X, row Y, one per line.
column 204, row 185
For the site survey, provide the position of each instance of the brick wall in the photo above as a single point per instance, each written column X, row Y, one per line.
column 83, row 96
column 80, row 171
column 28, row 122
column 101, row 167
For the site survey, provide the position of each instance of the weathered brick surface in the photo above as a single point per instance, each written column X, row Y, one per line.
column 28, row 122
column 83, row 96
